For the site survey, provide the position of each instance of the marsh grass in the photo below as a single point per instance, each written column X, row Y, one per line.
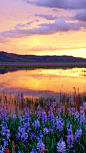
column 38, row 109
column 9, row 66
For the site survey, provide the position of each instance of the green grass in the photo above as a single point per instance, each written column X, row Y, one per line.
column 41, row 66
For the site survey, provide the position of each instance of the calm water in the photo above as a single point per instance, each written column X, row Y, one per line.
column 43, row 82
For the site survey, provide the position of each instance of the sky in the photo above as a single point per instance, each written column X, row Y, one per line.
column 43, row 27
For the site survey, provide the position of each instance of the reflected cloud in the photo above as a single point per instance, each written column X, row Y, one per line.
column 30, row 93
column 43, row 82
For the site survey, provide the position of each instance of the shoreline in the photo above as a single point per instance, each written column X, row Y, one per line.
column 42, row 65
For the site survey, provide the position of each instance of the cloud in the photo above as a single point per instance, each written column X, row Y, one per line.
column 20, row 25
column 53, row 48
column 55, row 10
column 64, row 4
column 43, row 29
column 42, row 48
column 81, row 16
column 62, row 26
column 48, row 17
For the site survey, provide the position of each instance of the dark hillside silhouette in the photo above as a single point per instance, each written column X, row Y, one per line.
column 9, row 57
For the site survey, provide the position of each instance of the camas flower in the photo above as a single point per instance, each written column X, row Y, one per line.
column 59, row 124
column 37, row 124
column 1, row 149
column 45, row 130
column 44, row 118
column 50, row 130
column 40, row 145
column 33, row 151
column 61, row 146
column 76, row 115
column 21, row 134
column 5, row 132
column 33, row 136
column 48, row 103
column 70, row 137
column 70, row 141
column 78, row 133
column 71, row 110
column 82, row 118
column 40, row 134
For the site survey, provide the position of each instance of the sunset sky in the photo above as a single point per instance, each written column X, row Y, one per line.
column 43, row 27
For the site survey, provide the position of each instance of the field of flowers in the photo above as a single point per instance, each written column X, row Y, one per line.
column 51, row 127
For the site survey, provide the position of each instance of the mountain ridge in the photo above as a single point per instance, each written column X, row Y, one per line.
column 11, row 57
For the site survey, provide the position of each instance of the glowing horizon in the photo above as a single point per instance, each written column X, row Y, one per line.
column 35, row 27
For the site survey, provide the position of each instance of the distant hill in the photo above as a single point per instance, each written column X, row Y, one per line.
column 9, row 57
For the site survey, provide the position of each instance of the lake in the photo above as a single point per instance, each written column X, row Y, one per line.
column 43, row 82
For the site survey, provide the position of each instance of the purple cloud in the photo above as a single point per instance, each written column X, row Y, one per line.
column 48, row 17
column 81, row 16
column 44, row 29
column 52, row 48
column 20, row 25
column 55, row 10
column 64, row 4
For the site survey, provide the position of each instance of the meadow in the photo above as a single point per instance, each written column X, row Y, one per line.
column 43, row 125
column 24, row 65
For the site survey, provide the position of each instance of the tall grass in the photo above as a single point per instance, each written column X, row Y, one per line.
column 43, row 124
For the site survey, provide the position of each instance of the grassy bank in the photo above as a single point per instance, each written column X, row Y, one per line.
column 40, row 65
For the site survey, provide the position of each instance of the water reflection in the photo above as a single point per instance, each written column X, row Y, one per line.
column 43, row 82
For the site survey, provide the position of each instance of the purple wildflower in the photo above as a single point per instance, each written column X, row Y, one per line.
column 62, row 108
column 48, row 103
column 82, row 118
column 1, row 149
column 40, row 145
column 71, row 110
column 70, row 137
column 39, row 112
column 49, row 114
column 70, row 99
column 22, row 97
column 18, row 98
column 50, row 130
column 21, row 134
column 44, row 118
column 78, row 133
column 36, row 124
column 27, row 112
column 27, row 126
column 40, row 134
column 14, row 116
column 5, row 132
column 59, row 123
column 33, row 136
column 52, row 116
column 33, row 151
column 76, row 115
column 70, row 130
column 53, row 105
column 45, row 130
column 10, row 115
column 59, row 110
column 3, row 114
column 70, row 141
column 68, row 125
column 61, row 146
